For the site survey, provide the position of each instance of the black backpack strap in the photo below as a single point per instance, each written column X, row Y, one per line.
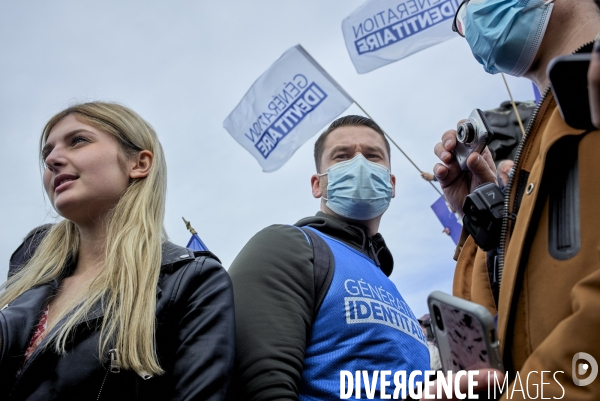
column 323, row 267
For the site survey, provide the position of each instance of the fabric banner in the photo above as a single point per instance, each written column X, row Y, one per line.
column 536, row 94
column 383, row 31
column 451, row 223
column 196, row 244
column 288, row 104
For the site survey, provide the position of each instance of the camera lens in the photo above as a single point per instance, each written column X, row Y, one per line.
column 437, row 314
column 465, row 133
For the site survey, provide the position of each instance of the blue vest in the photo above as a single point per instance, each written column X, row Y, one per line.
column 363, row 324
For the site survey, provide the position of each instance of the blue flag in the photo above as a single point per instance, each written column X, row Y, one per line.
column 196, row 244
column 447, row 218
column 537, row 94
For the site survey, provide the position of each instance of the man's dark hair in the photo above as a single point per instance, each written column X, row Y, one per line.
column 348, row 121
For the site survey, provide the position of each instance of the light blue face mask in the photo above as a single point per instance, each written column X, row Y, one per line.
column 505, row 35
column 358, row 189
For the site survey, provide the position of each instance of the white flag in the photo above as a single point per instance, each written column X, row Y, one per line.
column 288, row 103
column 383, row 31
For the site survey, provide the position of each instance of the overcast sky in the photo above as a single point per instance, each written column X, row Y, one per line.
column 184, row 66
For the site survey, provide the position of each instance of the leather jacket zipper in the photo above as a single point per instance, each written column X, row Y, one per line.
column 1, row 337
column 114, row 367
column 509, row 186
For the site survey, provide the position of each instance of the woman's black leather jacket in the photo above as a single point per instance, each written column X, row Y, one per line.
column 194, row 335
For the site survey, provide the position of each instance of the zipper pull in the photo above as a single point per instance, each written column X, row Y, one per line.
column 373, row 253
column 145, row 375
column 115, row 367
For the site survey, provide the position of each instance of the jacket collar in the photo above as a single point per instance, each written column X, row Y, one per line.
column 23, row 314
column 174, row 254
column 355, row 236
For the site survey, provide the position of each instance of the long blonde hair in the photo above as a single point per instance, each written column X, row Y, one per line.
column 126, row 285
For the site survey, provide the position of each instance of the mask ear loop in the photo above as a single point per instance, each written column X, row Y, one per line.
column 530, row 7
column 321, row 175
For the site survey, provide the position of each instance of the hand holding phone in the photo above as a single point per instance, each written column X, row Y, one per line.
column 465, row 333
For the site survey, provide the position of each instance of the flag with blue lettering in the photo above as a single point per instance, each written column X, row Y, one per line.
column 380, row 32
column 196, row 244
column 286, row 105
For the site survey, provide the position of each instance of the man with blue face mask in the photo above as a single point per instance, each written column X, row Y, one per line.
column 543, row 280
column 314, row 299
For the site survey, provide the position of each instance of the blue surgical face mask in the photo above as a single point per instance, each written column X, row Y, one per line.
column 505, row 35
column 358, row 189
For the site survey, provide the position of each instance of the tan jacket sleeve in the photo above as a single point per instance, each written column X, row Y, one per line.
column 471, row 280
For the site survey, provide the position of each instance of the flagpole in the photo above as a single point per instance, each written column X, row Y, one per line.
column 399, row 148
column 317, row 65
column 188, row 225
column 513, row 105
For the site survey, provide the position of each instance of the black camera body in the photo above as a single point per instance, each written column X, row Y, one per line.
column 483, row 212
column 472, row 136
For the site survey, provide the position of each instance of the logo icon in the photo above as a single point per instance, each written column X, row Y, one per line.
column 580, row 369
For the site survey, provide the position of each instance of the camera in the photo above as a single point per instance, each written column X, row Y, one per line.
column 472, row 136
column 437, row 315
column 483, row 212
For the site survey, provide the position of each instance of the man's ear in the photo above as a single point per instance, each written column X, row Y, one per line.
column 315, row 183
column 142, row 162
column 393, row 179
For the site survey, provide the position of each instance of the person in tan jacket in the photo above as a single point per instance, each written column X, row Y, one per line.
column 548, row 264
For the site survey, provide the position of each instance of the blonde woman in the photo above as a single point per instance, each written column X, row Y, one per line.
column 107, row 308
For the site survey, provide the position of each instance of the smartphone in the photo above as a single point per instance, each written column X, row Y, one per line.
column 465, row 333
column 568, row 80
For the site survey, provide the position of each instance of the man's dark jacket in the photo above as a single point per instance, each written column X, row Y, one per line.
column 194, row 337
column 273, row 284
